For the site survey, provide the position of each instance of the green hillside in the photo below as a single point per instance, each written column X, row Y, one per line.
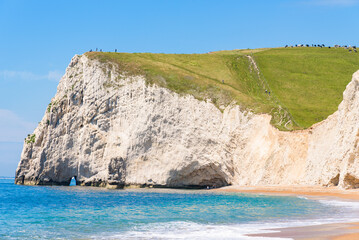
column 305, row 84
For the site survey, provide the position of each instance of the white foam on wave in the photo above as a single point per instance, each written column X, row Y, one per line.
column 337, row 203
column 302, row 197
column 348, row 211
column 190, row 230
column 196, row 231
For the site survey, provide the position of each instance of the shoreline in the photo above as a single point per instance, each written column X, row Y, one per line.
column 309, row 191
column 332, row 231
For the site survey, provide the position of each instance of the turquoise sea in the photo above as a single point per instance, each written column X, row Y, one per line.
column 38, row 212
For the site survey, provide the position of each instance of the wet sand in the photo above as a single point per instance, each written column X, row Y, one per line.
column 335, row 231
column 349, row 236
column 310, row 191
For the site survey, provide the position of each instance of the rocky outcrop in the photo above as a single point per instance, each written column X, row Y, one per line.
column 108, row 129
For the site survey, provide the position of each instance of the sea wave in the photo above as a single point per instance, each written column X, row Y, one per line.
column 347, row 211
column 338, row 203
column 196, row 231
column 302, row 197
column 191, row 230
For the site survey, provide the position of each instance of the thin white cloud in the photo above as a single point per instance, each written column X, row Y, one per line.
column 13, row 128
column 54, row 75
column 29, row 76
column 331, row 3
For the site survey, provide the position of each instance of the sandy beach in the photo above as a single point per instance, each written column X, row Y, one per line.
column 335, row 231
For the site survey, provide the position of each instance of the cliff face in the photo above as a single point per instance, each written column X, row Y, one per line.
column 108, row 129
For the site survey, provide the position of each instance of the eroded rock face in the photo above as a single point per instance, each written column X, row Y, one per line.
column 107, row 129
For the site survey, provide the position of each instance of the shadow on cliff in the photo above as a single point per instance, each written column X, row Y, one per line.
column 195, row 175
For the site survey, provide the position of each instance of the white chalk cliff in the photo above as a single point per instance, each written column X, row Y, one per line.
column 107, row 129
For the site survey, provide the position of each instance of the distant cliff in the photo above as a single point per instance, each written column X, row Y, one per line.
column 109, row 129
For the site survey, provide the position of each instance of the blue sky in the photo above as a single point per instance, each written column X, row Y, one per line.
column 38, row 39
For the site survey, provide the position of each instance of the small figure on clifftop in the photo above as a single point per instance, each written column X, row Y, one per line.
column 115, row 50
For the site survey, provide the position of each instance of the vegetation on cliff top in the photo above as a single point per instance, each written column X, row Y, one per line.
column 297, row 86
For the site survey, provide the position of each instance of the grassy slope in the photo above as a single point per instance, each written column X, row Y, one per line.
column 307, row 82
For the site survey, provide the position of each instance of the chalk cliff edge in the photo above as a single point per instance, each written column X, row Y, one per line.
column 111, row 130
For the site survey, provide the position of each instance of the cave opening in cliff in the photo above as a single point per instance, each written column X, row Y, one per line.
column 73, row 181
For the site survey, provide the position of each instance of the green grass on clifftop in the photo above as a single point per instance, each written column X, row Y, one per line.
column 306, row 84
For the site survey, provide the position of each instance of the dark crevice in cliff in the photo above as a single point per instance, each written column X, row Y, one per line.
column 334, row 181
column 350, row 182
